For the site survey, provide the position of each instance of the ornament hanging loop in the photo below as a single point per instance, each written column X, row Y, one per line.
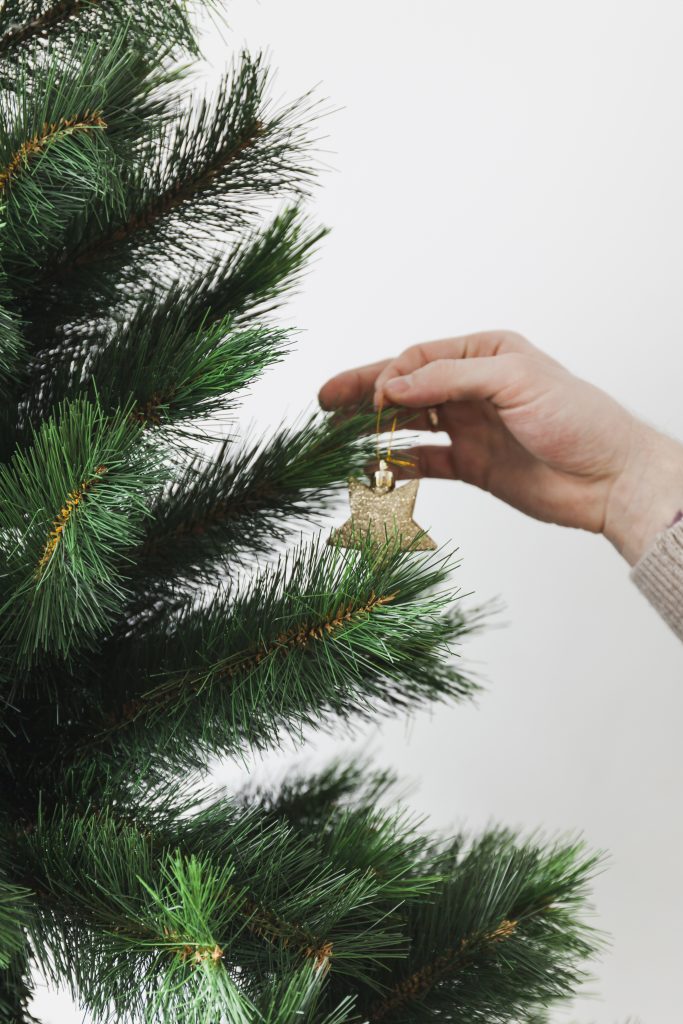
column 383, row 479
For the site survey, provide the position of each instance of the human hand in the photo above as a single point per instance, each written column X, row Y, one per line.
column 524, row 428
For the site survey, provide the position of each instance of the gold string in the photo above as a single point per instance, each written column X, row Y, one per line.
column 388, row 458
column 378, row 429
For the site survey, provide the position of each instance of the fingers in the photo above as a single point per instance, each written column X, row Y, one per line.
column 497, row 378
column 467, row 346
column 434, row 460
column 470, row 459
column 351, row 386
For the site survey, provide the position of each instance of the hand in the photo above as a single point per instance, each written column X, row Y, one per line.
column 524, row 428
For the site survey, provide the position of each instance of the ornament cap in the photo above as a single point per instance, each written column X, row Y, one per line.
column 383, row 478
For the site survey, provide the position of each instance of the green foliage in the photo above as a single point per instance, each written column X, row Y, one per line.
column 25, row 22
column 14, row 901
column 319, row 634
column 176, row 903
column 306, row 799
column 149, row 618
column 245, row 500
column 259, row 272
column 174, row 371
column 71, row 508
column 216, row 914
column 66, row 134
column 479, row 947
column 216, row 161
column 12, row 346
column 297, row 1000
column 15, row 991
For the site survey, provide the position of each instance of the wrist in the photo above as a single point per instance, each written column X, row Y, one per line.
column 647, row 495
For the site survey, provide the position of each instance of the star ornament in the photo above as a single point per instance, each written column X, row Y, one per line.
column 382, row 513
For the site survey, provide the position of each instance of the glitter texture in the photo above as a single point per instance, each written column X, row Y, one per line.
column 382, row 515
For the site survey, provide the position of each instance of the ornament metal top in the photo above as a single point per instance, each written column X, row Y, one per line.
column 382, row 512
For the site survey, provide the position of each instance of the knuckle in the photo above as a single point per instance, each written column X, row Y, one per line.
column 389, row 371
column 515, row 337
column 420, row 354
column 412, row 358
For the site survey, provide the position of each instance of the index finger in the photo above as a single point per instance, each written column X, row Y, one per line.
column 351, row 386
column 466, row 346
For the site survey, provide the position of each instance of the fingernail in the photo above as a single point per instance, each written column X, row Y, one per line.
column 398, row 386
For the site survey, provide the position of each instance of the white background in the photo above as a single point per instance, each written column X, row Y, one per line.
column 515, row 165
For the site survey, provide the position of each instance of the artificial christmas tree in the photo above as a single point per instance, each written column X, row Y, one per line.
column 138, row 639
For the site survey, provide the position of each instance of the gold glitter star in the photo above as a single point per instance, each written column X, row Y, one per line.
column 382, row 513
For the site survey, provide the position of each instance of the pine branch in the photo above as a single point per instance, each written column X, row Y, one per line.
column 316, row 914
column 178, row 192
column 13, row 916
column 337, row 811
column 216, row 161
column 16, row 991
column 305, row 800
column 260, row 272
column 322, row 633
column 138, row 902
column 233, row 141
column 484, row 945
column 298, row 1001
column 70, row 508
column 64, row 136
column 197, row 378
column 40, row 26
column 13, row 350
column 251, row 281
column 418, row 985
column 236, row 289
column 130, row 918
column 48, row 135
column 246, row 501
column 23, row 23
column 173, row 367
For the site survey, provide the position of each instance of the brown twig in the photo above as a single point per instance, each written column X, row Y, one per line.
column 297, row 637
column 42, row 139
column 421, row 981
column 178, row 193
column 64, row 515
column 42, row 24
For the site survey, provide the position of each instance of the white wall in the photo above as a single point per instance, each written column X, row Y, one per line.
column 517, row 165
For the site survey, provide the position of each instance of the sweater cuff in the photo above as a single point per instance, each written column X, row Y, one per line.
column 659, row 576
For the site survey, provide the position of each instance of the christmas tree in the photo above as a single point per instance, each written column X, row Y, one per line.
column 148, row 622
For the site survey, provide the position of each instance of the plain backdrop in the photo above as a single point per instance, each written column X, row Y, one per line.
column 518, row 165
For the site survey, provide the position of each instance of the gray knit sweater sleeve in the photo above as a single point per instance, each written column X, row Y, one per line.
column 659, row 575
